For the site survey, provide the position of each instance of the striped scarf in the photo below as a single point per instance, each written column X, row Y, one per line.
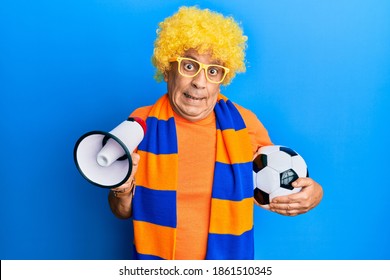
column 154, row 204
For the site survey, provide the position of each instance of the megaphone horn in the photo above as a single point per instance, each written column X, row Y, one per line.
column 104, row 158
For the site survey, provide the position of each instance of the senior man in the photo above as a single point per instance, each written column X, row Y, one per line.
column 193, row 196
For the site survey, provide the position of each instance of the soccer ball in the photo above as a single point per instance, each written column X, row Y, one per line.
column 274, row 169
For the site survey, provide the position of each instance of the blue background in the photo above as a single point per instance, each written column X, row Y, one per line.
column 318, row 77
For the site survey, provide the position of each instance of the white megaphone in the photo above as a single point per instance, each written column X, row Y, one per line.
column 104, row 158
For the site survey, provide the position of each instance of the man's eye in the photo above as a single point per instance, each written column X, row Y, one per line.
column 213, row 71
column 189, row 67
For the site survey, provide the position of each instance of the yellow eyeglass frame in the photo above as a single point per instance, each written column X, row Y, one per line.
column 204, row 66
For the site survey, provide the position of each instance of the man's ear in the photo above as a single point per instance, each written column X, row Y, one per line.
column 166, row 76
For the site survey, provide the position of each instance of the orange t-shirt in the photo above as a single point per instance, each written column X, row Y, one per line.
column 197, row 148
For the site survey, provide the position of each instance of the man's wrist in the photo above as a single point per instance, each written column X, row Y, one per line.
column 123, row 192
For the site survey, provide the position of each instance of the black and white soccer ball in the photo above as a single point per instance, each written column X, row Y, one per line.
column 274, row 169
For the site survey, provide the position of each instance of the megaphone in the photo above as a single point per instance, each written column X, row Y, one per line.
column 104, row 158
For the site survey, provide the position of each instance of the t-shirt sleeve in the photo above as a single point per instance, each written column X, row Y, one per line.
column 141, row 112
column 257, row 132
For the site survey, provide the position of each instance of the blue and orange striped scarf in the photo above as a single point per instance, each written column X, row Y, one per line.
column 154, row 204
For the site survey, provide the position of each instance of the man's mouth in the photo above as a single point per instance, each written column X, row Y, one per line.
column 192, row 97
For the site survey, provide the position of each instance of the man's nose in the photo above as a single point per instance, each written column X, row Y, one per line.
column 200, row 80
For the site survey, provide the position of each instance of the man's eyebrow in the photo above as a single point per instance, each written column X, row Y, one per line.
column 214, row 62
column 190, row 56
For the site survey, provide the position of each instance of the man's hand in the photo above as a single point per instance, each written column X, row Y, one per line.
column 297, row 203
column 120, row 198
column 135, row 159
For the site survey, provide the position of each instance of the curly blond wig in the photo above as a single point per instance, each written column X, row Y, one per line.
column 206, row 32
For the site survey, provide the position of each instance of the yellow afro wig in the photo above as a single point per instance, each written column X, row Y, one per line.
column 206, row 32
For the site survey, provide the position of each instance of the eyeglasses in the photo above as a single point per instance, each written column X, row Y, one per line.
column 189, row 67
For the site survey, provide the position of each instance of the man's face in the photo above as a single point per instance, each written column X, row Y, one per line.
column 192, row 98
